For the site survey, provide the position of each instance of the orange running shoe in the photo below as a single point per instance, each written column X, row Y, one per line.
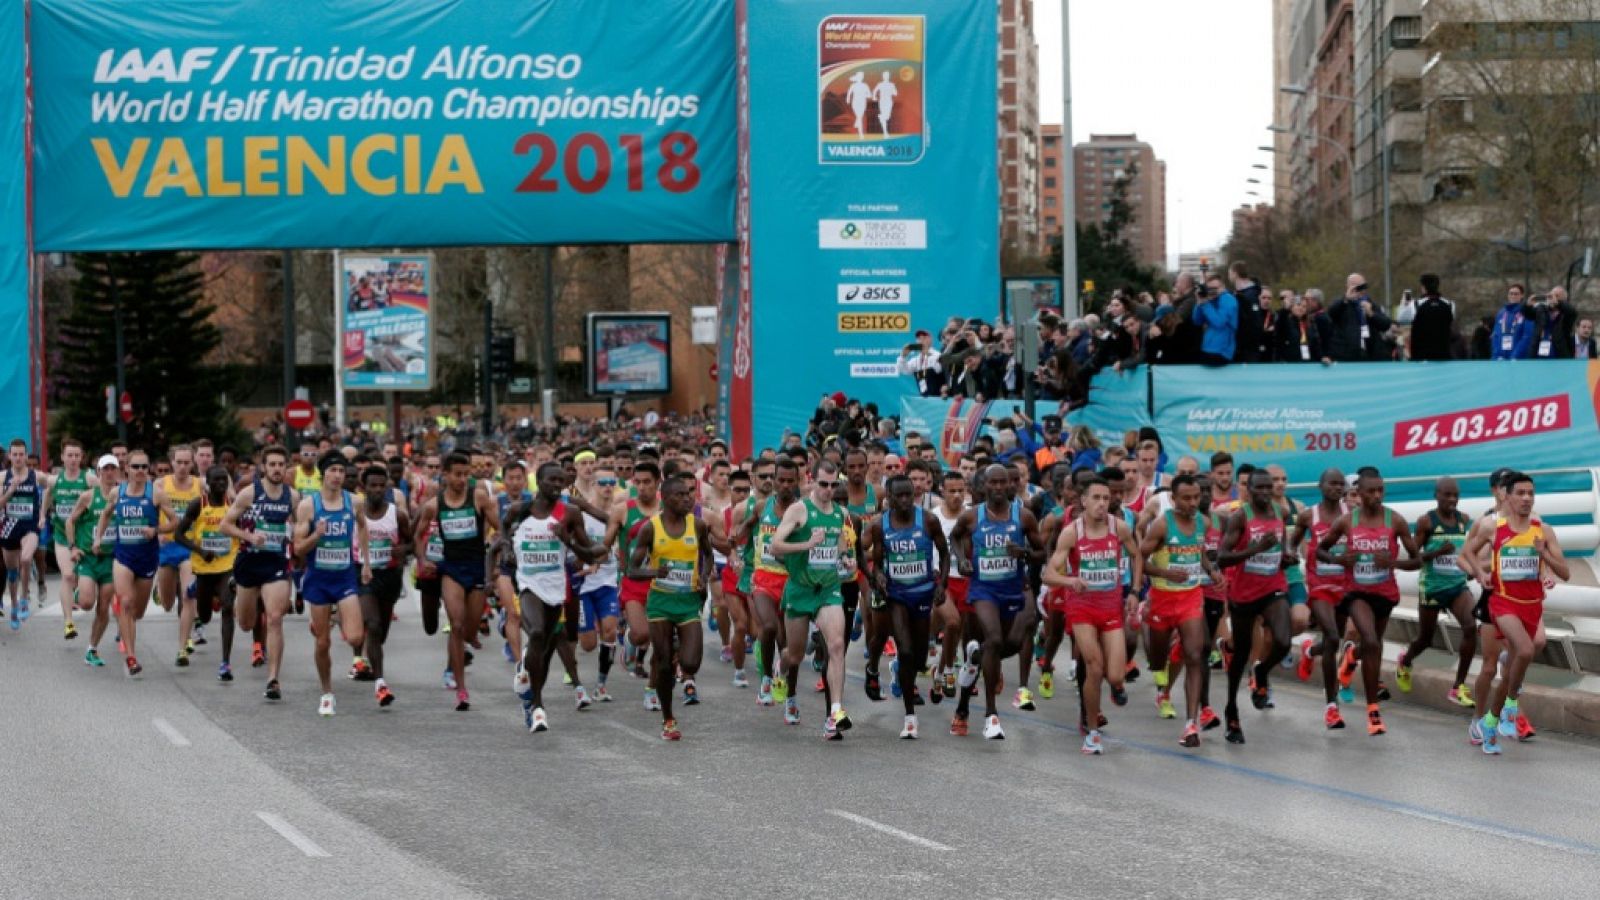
column 1375, row 721
column 958, row 725
column 1332, row 719
column 1347, row 663
column 1525, row 730
column 1302, row 670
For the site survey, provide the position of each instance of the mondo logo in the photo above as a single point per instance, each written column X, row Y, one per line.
column 895, row 294
column 874, row 323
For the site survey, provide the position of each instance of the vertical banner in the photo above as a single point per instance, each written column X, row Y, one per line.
column 869, row 196
column 15, row 246
column 727, row 324
column 386, row 323
column 949, row 425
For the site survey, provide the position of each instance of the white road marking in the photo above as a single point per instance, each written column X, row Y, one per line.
column 170, row 733
column 633, row 732
column 292, row 835
column 889, row 830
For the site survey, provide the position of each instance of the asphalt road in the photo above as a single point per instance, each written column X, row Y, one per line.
column 177, row 785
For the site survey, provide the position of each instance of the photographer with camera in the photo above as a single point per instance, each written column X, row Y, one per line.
column 1217, row 312
column 921, row 362
column 1358, row 324
column 1553, row 321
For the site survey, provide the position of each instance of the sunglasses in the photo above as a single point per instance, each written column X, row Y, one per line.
column 138, row 465
column 825, row 484
column 606, row 482
column 892, row 467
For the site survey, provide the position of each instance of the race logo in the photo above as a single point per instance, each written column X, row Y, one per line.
column 870, row 85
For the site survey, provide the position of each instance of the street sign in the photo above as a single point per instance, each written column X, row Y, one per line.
column 125, row 407
column 299, row 414
column 521, row 386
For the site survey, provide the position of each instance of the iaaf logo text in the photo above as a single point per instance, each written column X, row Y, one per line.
column 895, row 294
column 160, row 65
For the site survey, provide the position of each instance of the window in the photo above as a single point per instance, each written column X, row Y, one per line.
column 1049, row 203
column 1050, row 162
column 1049, row 182
column 1051, row 222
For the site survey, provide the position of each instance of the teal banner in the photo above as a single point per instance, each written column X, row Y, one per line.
column 873, row 194
column 173, row 124
column 950, row 425
column 1408, row 419
column 1118, row 402
column 23, row 393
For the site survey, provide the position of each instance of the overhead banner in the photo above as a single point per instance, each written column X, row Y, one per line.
column 386, row 322
column 171, row 124
column 873, row 198
column 1409, row 419
column 15, row 255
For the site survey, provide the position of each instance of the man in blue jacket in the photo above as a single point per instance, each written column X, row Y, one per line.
column 1512, row 337
column 1217, row 312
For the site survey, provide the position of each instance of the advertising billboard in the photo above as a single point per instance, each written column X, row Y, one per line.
column 386, row 322
column 630, row 353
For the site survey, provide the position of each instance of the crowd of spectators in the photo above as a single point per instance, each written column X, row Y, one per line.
column 1227, row 317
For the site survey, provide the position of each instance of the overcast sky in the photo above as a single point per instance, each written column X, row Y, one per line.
column 1193, row 79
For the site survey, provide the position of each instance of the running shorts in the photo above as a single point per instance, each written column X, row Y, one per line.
column 142, row 562
column 600, row 603
column 956, row 590
column 1379, row 604
column 209, row 590
column 1009, row 606
column 1440, row 599
column 326, row 588
column 470, row 575
column 173, row 555
column 771, row 583
column 385, row 585
column 94, row 568
column 1297, row 594
column 1260, row 603
column 1529, row 614
column 634, row 591
column 1169, row 609
column 253, row 570
column 800, row 603
column 675, row 608
column 1102, row 609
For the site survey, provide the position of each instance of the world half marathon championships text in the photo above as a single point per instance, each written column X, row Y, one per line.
column 268, row 65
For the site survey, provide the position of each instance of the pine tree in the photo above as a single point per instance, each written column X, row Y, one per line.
column 167, row 334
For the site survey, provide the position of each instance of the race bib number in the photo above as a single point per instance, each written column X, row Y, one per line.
column 219, row 544
column 1447, row 564
column 535, row 557
column 1099, row 577
column 908, row 570
column 129, row 533
column 21, row 508
column 1267, row 562
column 1519, row 564
column 457, row 527
column 64, row 507
column 380, row 552
column 274, row 533
column 434, row 551
column 332, row 558
column 823, row 556
column 678, row 577
column 1367, row 571
column 1000, row 567
column 1190, row 573
column 1331, row 570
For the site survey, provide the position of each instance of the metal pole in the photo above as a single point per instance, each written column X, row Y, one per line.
column 288, row 327
column 122, row 355
column 1388, row 259
column 547, row 352
column 1069, row 167
column 488, row 365
column 338, row 340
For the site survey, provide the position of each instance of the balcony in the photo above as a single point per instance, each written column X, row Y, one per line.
column 1404, row 32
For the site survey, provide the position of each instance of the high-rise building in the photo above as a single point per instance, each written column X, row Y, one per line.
column 1099, row 165
column 1332, row 118
column 1052, row 185
column 1389, row 127
column 1282, row 101
column 1019, row 128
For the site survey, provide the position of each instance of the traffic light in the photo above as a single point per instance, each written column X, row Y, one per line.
column 502, row 356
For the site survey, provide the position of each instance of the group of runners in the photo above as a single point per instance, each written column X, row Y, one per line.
column 633, row 552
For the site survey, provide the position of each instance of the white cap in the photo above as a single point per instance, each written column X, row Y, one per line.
column 108, row 460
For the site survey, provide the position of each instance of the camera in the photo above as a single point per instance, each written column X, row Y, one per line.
column 1362, row 287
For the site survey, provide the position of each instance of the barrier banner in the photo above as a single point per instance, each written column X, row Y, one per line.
column 950, row 425
column 872, row 197
column 16, row 417
column 169, row 124
column 386, row 322
column 1118, row 402
column 1408, row 419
